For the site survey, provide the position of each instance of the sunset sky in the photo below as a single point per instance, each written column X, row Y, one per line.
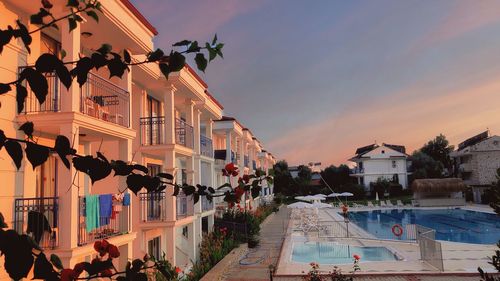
column 316, row 79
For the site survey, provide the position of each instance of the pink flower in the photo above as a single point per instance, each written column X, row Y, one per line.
column 356, row 257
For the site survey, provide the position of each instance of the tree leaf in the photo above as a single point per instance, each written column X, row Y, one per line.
column 156, row 55
column 73, row 3
column 116, row 67
column 126, row 56
column 135, row 182
column 17, row 252
column 43, row 269
column 196, row 198
column 177, row 188
column 3, row 138
column 212, row 54
column 214, row 41
column 166, row 176
column 82, row 69
column 201, row 61
column 21, row 94
column 176, row 61
column 56, row 261
column 93, row 15
column 72, row 24
column 47, row 4
column 38, row 83
column 4, row 88
column 2, row 222
column 98, row 60
column 104, row 49
column 63, row 149
column 165, row 70
column 141, row 168
column 36, row 154
column 27, row 128
column 15, row 151
column 25, row 36
column 182, row 43
column 121, row 168
column 193, row 47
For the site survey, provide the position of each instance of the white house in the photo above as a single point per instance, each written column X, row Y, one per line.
column 380, row 161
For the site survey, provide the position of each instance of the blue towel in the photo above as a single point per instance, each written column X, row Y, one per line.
column 105, row 207
column 91, row 212
column 126, row 199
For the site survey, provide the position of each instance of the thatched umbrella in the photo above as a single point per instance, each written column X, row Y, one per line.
column 438, row 185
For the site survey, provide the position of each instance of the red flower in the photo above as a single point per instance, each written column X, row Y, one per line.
column 79, row 268
column 246, row 178
column 113, row 251
column 178, row 270
column 101, row 247
column 68, row 275
column 234, row 173
column 356, row 257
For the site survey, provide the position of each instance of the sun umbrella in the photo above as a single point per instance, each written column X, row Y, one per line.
column 300, row 205
column 335, row 194
column 310, row 198
column 345, row 194
column 320, row 195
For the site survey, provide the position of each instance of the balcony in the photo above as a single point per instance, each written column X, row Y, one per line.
column 206, row 205
column 153, row 206
column 246, row 161
column 357, row 170
column 206, row 147
column 184, row 207
column 38, row 217
column 152, row 130
column 99, row 98
column 117, row 224
column 184, row 133
column 465, row 168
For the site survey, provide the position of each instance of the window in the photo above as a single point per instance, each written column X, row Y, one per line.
column 154, row 123
column 394, row 164
column 154, row 169
column 185, row 232
column 204, row 224
column 154, row 248
column 46, row 184
column 50, row 45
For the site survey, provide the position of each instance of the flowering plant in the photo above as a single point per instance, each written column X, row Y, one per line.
column 355, row 266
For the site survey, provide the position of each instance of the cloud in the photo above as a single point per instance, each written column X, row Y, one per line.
column 410, row 121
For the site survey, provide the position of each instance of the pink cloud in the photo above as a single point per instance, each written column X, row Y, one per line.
column 410, row 121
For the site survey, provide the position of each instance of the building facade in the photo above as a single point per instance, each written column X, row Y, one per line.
column 380, row 161
column 476, row 161
column 166, row 125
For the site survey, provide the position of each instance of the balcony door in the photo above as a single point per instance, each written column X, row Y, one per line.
column 154, row 123
column 154, row 204
column 46, row 185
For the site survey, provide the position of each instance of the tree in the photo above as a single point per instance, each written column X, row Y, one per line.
column 424, row 166
column 439, row 149
column 337, row 176
column 282, row 178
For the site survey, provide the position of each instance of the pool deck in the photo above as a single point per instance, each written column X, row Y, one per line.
column 458, row 258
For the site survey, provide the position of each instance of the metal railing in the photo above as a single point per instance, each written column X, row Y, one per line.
column 246, row 161
column 152, row 130
column 117, row 224
column 357, row 170
column 206, row 205
column 206, row 147
column 221, row 155
column 184, row 133
column 153, row 206
column 104, row 100
column 371, row 230
column 38, row 217
column 53, row 99
column 430, row 249
column 254, row 165
column 184, row 208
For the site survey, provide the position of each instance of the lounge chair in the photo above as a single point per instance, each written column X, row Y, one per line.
column 399, row 203
column 382, row 204
column 389, row 203
column 370, row 204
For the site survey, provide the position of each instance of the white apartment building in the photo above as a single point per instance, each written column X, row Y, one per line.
column 380, row 161
column 166, row 125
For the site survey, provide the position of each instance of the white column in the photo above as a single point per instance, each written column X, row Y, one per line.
column 196, row 130
column 68, row 199
column 169, row 242
column 171, row 202
column 209, row 128
column 228, row 146
column 169, row 112
column 241, row 148
column 70, row 41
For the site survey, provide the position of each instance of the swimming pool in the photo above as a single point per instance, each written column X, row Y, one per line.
column 334, row 253
column 456, row 225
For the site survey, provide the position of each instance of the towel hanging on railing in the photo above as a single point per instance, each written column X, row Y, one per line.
column 91, row 212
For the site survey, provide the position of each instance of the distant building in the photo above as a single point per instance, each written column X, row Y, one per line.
column 380, row 161
column 476, row 161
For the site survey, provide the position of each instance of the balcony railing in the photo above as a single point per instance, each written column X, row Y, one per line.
column 153, row 206
column 357, row 170
column 152, row 130
column 254, row 165
column 206, row 147
column 184, row 208
column 52, row 101
column 117, row 224
column 206, row 205
column 104, row 100
column 184, row 134
column 38, row 218
column 246, row 161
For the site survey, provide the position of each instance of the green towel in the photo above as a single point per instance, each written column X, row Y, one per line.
column 91, row 212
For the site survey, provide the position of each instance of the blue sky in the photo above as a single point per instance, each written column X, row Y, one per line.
column 316, row 79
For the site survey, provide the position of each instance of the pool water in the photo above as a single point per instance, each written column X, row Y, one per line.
column 455, row 225
column 333, row 253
